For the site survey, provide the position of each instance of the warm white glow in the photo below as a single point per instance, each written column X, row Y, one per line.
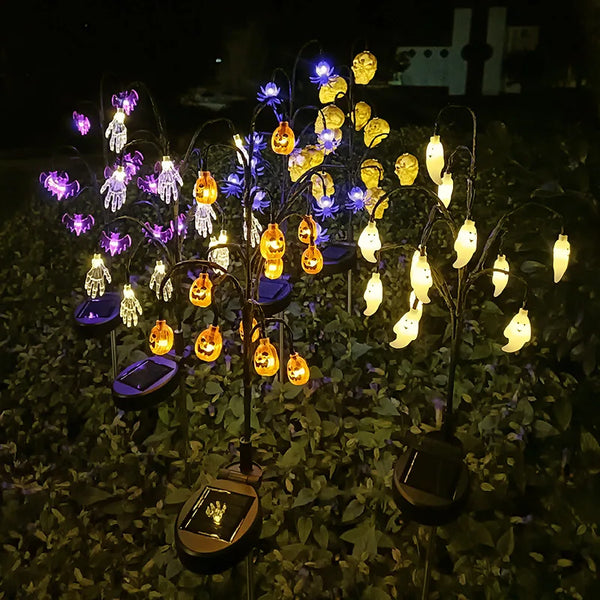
column 500, row 279
column 562, row 250
column 435, row 159
column 465, row 244
column 419, row 305
column 406, row 329
column 518, row 331
column 369, row 241
column 156, row 279
column 94, row 279
column 116, row 132
column 420, row 278
column 445, row 189
column 373, row 294
column 130, row 306
column 219, row 255
column 166, row 163
column 255, row 229
column 239, row 144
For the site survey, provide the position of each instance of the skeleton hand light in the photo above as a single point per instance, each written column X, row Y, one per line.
column 518, row 331
column 116, row 189
column 130, row 306
column 561, row 252
column 156, row 279
column 117, row 132
column 94, row 280
column 373, row 294
column 205, row 215
column 465, row 244
column 500, row 279
column 255, row 229
column 219, row 255
column 168, row 180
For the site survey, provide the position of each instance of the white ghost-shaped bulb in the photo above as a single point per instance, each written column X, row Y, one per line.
column 373, row 294
column 560, row 255
column 406, row 329
column 518, row 331
column 420, row 278
column 445, row 189
column 500, row 279
column 465, row 244
column 434, row 159
column 369, row 241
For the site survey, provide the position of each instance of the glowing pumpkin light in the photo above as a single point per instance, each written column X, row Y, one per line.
column 307, row 230
column 435, row 159
column 205, row 189
column 273, row 268
column 369, row 241
column 283, row 139
column 499, row 280
column 560, row 253
column 465, row 244
column 297, row 370
column 518, row 331
column 420, row 278
column 373, row 294
column 272, row 243
column 161, row 338
column 312, row 260
column 201, row 291
column 445, row 189
column 209, row 344
column 254, row 335
column 266, row 361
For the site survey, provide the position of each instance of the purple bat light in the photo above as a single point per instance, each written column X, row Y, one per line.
column 132, row 163
column 148, row 184
column 164, row 234
column 81, row 122
column 59, row 185
column 114, row 243
column 126, row 100
column 78, row 224
column 181, row 226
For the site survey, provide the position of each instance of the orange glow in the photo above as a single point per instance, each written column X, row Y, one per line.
column 297, row 370
column 273, row 268
column 312, row 260
column 205, row 189
column 307, row 229
column 200, row 291
column 209, row 343
column 161, row 338
column 283, row 139
column 272, row 242
column 254, row 335
column 266, row 361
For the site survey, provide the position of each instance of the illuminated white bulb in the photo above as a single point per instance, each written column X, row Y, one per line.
column 94, row 279
column 406, row 329
column 117, row 132
column 420, row 278
column 373, row 294
column 130, row 306
column 465, row 244
column 219, row 255
column 435, row 159
column 518, row 331
column 419, row 305
column 239, row 144
column 445, row 189
column 500, row 279
column 156, row 280
column 369, row 241
column 562, row 250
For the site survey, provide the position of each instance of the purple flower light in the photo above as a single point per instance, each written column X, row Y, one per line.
column 257, row 167
column 126, row 100
column 232, row 186
column 78, row 224
column 148, row 184
column 326, row 207
column 59, row 185
column 356, row 197
column 323, row 71
column 164, row 234
column 114, row 243
column 259, row 143
column 258, row 199
column 322, row 235
column 269, row 94
column 328, row 140
column 81, row 122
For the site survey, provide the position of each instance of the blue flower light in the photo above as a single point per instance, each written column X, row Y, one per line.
column 259, row 143
column 269, row 94
column 323, row 71
column 326, row 207
column 232, row 186
column 322, row 235
column 258, row 199
column 328, row 140
column 356, row 197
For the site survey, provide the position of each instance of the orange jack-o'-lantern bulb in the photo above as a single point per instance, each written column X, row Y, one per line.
column 209, row 343
column 254, row 335
column 283, row 139
column 161, row 338
column 307, row 230
column 312, row 260
column 273, row 268
column 297, row 370
column 272, row 242
column 200, row 291
column 205, row 189
column 266, row 361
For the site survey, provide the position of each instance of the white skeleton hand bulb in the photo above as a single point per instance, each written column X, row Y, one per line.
column 255, row 230
column 116, row 132
column 116, row 190
column 205, row 215
column 168, row 180
column 219, row 255
column 94, row 280
column 130, row 306
column 156, row 279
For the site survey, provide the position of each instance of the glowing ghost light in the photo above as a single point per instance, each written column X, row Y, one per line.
column 59, row 185
column 413, row 302
column 94, row 279
column 116, row 132
column 518, row 331
column 168, row 179
column 445, row 189
column 373, row 294
column 161, row 338
column 156, row 280
column 500, row 279
column 561, row 252
column 369, row 241
column 465, row 244
column 82, row 123
column 78, row 224
column 130, row 306
column 116, row 190
column 114, row 243
column 406, row 329
column 420, row 278
column 219, row 255
column 297, row 370
column 406, row 168
column 435, row 159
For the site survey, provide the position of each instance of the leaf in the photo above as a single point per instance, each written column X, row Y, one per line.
column 177, row 496
column 322, row 536
column 506, row 543
column 212, row 388
column 589, row 443
column 487, row 487
column 564, row 562
column 305, row 496
column 352, row 511
column 543, row 429
column 531, row 266
column 537, row 556
column 304, row 528
column 563, row 410
column 293, row 456
column 358, row 349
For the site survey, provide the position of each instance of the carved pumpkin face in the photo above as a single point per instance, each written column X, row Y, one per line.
column 371, row 172
column 272, row 242
column 209, row 344
column 307, row 230
column 312, row 260
column 376, row 130
column 329, row 117
column 406, row 168
column 161, row 338
column 254, row 335
column 273, row 268
column 297, row 370
column 360, row 115
column 336, row 87
column 364, row 66
column 205, row 190
column 201, row 291
column 283, row 139
column 266, row 361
